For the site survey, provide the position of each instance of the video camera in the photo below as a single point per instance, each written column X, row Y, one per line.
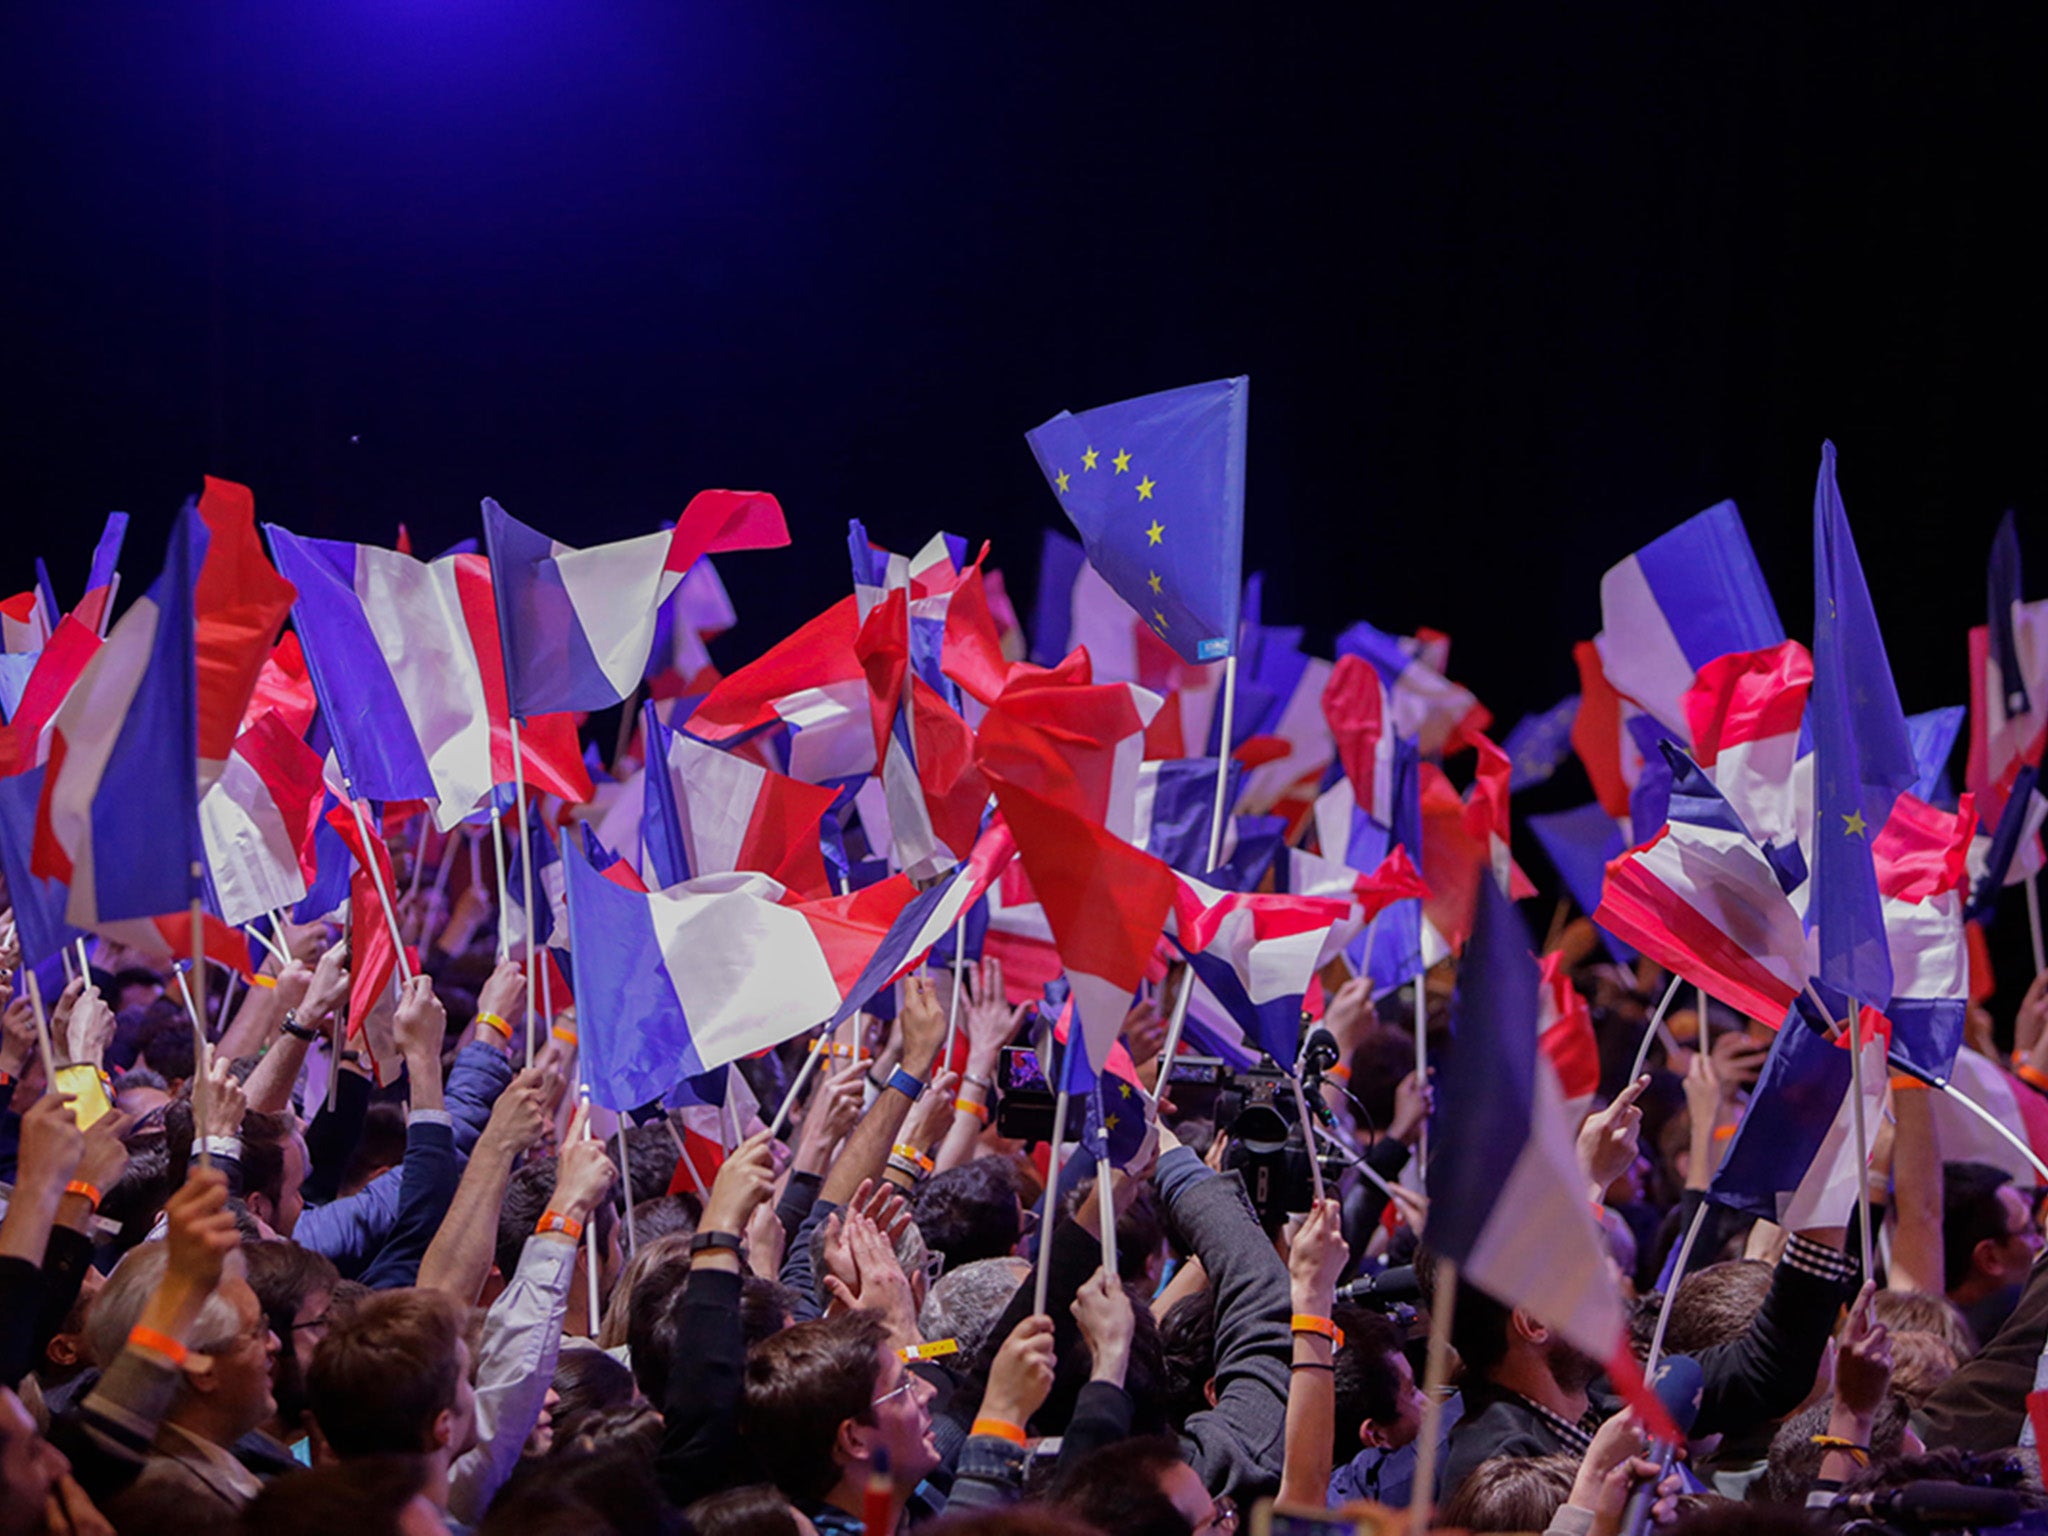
column 1255, row 1108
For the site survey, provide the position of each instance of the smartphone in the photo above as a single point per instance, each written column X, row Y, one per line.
column 1268, row 1521
column 88, row 1094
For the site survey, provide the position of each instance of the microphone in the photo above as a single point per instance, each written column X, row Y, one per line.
column 1319, row 1053
column 1396, row 1284
column 1678, row 1384
column 1935, row 1505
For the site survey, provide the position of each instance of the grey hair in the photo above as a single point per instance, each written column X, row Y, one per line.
column 112, row 1315
column 966, row 1303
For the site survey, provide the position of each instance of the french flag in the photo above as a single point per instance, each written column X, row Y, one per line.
column 1427, row 706
column 239, row 604
column 1507, row 1200
column 576, row 626
column 259, row 819
column 1921, row 857
column 1745, row 716
column 1701, row 900
column 1257, row 954
column 1078, row 610
column 24, row 626
column 103, row 579
column 403, row 656
column 1173, row 808
column 2020, row 1109
column 810, row 681
column 931, row 915
column 1601, row 733
column 697, row 610
column 25, row 740
column 670, row 984
column 118, row 821
column 1486, row 817
column 1579, row 844
column 38, row 904
column 1793, row 1159
column 1677, row 603
column 1062, row 755
column 1564, row 1033
column 708, row 812
column 1363, row 737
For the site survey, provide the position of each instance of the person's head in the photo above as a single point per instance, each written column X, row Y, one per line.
column 1379, row 1404
column 970, row 1212
column 138, row 1091
column 167, row 1045
column 608, row 1490
column 758, row 1509
column 1142, row 1487
column 1385, row 1055
column 296, row 1288
column 225, row 1389
column 1511, row 1493
column 67, row 1354
column 586, row 1381
column 1924, row 1312
column 1187, row 1342
column 663, row 1216
column 967, row 1301
column 1920, row 1363
column 651, row 1314
column 1715, row 1305
column 392, row 1378
column 1795, row 1460
column 766, row 1307
column 1988, row 1237
column 1508, row 1346
column 133, row 987
column 825, row 1397
column 29, row 1468
column 653, row 1254
column 367, row 1496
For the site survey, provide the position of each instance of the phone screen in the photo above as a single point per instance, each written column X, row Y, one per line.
column 88, row 1094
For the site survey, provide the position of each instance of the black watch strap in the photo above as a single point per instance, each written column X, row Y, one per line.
column 703, row 1242
column 299, row 1031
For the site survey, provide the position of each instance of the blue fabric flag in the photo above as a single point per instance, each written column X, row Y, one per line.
column 1155, row 488
column 2003, row 588
column 1579, row 844
column 1114, row 1127
column 661, row 819
column 1863, row 758
column 1539, row 743
column 1933, row 735
column 38, row 904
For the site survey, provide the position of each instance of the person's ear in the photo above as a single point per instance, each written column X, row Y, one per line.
column 260, row 1206
column 1986, row 1258
column 1526, row 1328
column 199, row 1373
column 1371, row 1436
column 1209, row 1391
column 444, row 1429
column 64, row 1349
column 853, row 1442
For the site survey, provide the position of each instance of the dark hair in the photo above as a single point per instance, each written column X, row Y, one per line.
column 1117, row 1488
column 766, row 1308
column 1187, row 1344
column 526, row 1200
column 1970, row 1213
column 652, row 1157
column 969, row 1212
column 663, row 1215
column 758, row 1509
column 139, row 1194
column 167, row 1047
column 1140, row 1234
column 1511, row 1493
column 612, row 1489
column 586, row 1382
column 379, row 1145
column 283, row 1275
column 1716, row 1305
column 651, row 1324
column 801, row 1385
column 1385, row 1055
column 1009, row 1520
column 386, row 1371
column 1366, row 1381
column 363, row 1497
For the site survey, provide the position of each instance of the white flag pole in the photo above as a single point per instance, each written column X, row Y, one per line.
column 526, row 879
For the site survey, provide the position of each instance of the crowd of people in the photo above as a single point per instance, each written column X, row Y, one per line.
column 442, row 1294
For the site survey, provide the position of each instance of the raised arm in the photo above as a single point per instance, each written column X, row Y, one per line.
column 458, row 1260
column 1316, row 1260
column 866, row 1153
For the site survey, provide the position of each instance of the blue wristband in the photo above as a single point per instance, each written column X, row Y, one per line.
column 905, row 1084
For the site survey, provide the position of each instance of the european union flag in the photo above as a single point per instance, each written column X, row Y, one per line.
column 1863, row 758
column 1155, row 488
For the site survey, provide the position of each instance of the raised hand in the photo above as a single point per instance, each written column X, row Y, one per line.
column 583, row 1172
column 504, row 993
column 743, row 1182
column 932, row 1115
column 421, row 1023
column 989, row 1022
column 1413, row 1100
column 1349, row 1012
column 328, row 989
column 1607, row 1141
column 90, row 1029
column 923, row 1024
column 1020, row 1378
column 1317, row 1258
column 1102, row 1311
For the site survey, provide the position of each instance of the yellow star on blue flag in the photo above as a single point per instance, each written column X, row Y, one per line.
column 1166, row 527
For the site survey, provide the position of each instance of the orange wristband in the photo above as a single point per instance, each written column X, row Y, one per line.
column 1303, row 1323
column 2031, row 1075
column 555, row 1221
column 159, row 1343
column 261, row 980
column 89, row 1191
column 1341, row 1072
column 969, row 1107
column 495, row 1022
column 1905, row 1082
column 1002, row 1429
column 904, row 1149
column 564, row 1033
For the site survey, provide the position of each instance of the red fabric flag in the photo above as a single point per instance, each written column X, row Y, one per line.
column 715, row 521
column 239, row 603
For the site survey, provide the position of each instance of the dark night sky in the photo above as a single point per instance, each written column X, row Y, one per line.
column 1518, row 286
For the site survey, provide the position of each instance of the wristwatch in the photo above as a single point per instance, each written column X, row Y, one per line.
column 299, row 1031
column 703, row 1242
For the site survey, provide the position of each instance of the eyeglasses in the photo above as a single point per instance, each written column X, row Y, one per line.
column 909, row 1381
column 312, row 1322
column 934, row 1265
column 1222, row 1518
